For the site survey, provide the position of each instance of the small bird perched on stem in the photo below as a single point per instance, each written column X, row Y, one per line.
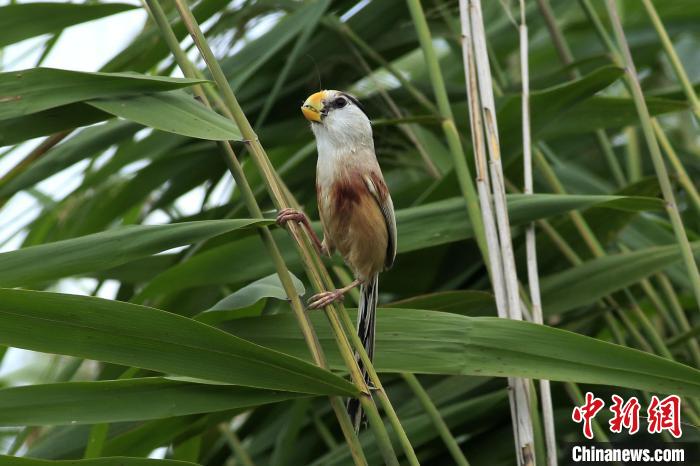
column 355, row 207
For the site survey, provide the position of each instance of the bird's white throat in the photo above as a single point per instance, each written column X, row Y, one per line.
column 344, row 142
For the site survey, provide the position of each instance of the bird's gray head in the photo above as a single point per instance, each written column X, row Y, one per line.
column 337, row 116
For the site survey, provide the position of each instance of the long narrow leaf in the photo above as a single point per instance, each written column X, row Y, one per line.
column 139, row 336
column 103, row 250
column 439, row 343
column 22, row 21
column 124, row 400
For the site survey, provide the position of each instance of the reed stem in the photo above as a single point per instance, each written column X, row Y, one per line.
column 308, row 332
column 655, row 152
column 530, row 237
column 491, row 186
column 673, row 57
column 438, row 421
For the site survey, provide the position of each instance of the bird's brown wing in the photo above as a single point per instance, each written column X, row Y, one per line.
column 376, row 186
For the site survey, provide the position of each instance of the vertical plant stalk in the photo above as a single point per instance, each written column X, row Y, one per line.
column 682, row 174
column 96, row 440
column 493, row 261
column 560, row 44
column 236, row 445
column 578, row 220
column 500, row 253
column 524, row 429
column 680, row 316
column 448, row 125
column 321, row 429
column 45, row 146
column 655, row 151
column 434, row 415
column 673, row 57
column 530, row 236
column 634, row 156
column 567, row 59
column 340, row 322
column 308, row 332
column 617, row 58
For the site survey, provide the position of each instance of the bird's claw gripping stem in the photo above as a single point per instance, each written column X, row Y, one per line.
column 286, row 215
column 325, row 298
column 293, row 215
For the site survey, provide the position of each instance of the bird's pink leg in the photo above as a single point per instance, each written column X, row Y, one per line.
column 286, row 215
column 324, row 298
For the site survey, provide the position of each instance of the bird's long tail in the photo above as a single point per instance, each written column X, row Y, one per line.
column 366, row 312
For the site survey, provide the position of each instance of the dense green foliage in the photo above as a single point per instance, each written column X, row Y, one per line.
column 198, row 350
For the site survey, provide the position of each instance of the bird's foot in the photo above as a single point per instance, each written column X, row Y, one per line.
column 325, row 298
column 290, row 215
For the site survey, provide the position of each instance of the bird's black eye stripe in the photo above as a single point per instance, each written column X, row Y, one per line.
column 354, row 100
column 340, row 102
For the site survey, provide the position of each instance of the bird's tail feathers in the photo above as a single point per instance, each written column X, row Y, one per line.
column 366, row 313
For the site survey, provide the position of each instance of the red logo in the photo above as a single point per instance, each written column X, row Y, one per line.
column 661, row 415
column 587, row 412
column 624, row 415
column 665, row 415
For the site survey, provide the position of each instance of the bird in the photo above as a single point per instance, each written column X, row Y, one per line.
column 355, row 209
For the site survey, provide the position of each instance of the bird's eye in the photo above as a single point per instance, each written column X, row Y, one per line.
column 340, row 102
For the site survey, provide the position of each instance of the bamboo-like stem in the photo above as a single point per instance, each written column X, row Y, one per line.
column 236, row 445
column 601, row 31
column 560, row 44
column 434, row 415
column 659, row 346
column 567, row 58
column 450, row 129
column 585, row 231
column 581, row 225
column 488, row 110
column 249, row 199
column 673, row 57
column 566, row 250
column 683, row 337
column 500, row 254
column 665, row 144
column 668, row 149
column 609, row 154
column 246, row 191
column 657, row 301
column 45, row 145
column 682, row 174
column 322, row 430
column 495, row 266
column 494, row 263
column 654, row 339
column 680, row 316
column 96, row 440
column 530, row 237
column 312, row 261
column 656, row 157
column 634, row 156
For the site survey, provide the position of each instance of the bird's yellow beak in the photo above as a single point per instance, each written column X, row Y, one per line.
column 313, row 107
